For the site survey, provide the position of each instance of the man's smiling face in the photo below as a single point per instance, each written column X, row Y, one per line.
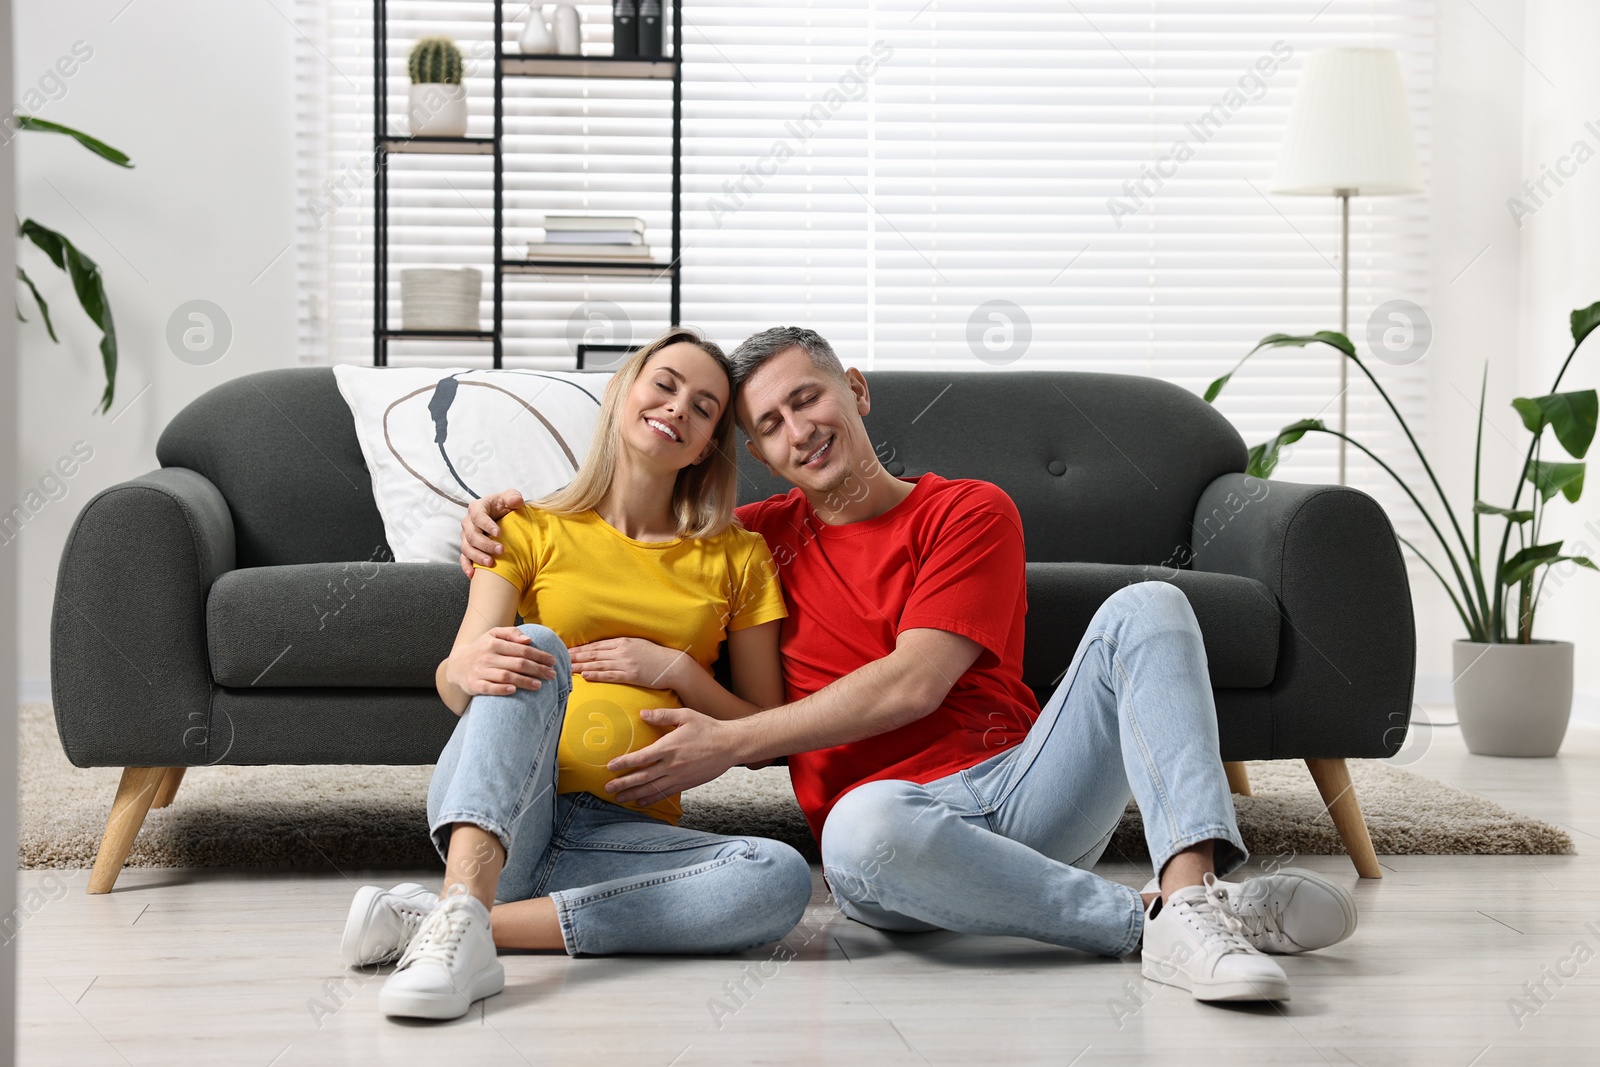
column 804, row 422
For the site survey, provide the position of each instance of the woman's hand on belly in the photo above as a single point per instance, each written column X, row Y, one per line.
column 628, row 661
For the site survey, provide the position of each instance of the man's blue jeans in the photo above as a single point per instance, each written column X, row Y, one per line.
column 1005, row 847
column 622, row 881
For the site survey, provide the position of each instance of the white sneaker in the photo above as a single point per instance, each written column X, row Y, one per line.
column 382, row 922
column 1193, row 941
column 449, row 964
column 1292, row 910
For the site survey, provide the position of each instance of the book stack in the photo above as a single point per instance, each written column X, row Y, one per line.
column 591, row 237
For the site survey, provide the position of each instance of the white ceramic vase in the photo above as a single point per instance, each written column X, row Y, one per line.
column 567, row 29
column 537, row 37
column 1513, row 700
column 437, row 110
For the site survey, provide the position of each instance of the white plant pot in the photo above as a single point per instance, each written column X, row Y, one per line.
column 440, row 298
column 1513, row 700
column 437, row 110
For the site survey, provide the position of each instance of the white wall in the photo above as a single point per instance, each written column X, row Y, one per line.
column 1477, row 122
column 1560, row 272
column 1514, row 89
column 8, row 585
column 201, row 96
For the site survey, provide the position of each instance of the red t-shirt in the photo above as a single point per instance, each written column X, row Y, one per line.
column 947, row 557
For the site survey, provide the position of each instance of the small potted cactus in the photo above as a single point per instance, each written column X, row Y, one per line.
column 438, row 99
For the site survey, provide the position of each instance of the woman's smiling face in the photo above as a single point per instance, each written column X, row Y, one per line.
column 672, row 410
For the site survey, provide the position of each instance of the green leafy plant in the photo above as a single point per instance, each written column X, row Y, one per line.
column 1482, row 604
column 85, row 274
column 435, row 60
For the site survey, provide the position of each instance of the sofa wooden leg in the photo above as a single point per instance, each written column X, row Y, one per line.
column 1238, row 778
column 169, row 787
column 1339, row 796
column 135, row 792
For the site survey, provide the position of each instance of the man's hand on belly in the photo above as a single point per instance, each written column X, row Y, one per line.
column 696, row 749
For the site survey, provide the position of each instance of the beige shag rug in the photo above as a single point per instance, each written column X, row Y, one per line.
column 351, row 817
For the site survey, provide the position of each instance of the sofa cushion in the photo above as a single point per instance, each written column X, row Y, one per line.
column 1238, row 618
column 435, row 439
column 384, row 625
column 387, row 625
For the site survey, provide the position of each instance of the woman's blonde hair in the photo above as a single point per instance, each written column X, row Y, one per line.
column 703, row 498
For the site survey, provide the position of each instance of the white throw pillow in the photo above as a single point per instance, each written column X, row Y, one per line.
column 437, row 438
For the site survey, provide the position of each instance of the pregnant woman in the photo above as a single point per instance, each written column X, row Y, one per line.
column 628, row 580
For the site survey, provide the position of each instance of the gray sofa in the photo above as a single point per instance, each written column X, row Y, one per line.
column 235, row 606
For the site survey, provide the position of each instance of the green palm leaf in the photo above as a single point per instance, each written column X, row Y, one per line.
column 86, row 282
column 44, row 309
column 1263, row 459
column 1571, row 415
column 93, row 144
column 1481, row 508
column 1552, row 478
column 1584, row 320
column 1533, row 557
column 1332, row 338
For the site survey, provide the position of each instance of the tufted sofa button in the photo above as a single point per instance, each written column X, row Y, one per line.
column 896, row 468
column 1057, row 468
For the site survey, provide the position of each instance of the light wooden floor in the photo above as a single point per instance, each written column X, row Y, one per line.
column 239, row 968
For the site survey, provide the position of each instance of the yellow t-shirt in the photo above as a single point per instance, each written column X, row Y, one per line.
column 586, row 581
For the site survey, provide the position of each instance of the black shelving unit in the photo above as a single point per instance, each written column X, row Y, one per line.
column 513, row 65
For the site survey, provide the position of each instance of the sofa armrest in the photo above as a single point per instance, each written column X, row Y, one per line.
column 1347, row 649
column 128, row 670
column 1237, row 620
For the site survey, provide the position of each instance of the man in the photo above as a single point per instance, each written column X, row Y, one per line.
column 941, row 794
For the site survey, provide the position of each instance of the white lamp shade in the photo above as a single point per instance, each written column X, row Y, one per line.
column 1349, row 128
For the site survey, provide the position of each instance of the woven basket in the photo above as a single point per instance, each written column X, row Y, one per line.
column 440, row 298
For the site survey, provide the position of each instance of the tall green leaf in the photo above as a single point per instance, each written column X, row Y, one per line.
column 86, row 282
column 44, row 309
column 93, row 144
column 1584, row 320
column 1263, row 458
column 1328, row 337
column 1533, row 557
column 1571, row 415
column 1481, row 508
column 1284, row 340
column 1215, row 388
column 1552, row 478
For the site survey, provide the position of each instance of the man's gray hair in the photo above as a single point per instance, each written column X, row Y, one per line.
column 758, row 348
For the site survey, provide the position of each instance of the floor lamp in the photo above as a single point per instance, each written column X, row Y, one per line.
column 1349, row 134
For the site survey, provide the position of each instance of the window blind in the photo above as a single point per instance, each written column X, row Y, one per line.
column 951, row 185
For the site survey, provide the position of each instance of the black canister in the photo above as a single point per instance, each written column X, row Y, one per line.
column 650, row 36
column 625, row 28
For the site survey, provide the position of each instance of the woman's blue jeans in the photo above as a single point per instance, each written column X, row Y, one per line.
column 622, row 881
column 1005, row 847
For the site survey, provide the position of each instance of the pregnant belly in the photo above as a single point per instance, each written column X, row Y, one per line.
column 602, row 723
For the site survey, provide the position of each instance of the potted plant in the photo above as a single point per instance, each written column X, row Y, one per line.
column 438, row 102
column 1513, row 693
